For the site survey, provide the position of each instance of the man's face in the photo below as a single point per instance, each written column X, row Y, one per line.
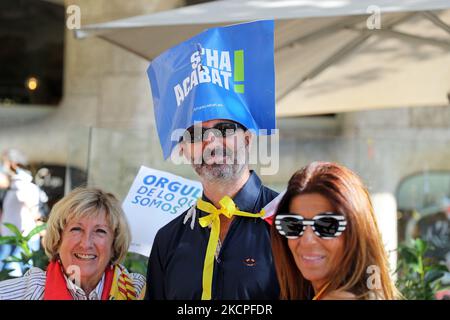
column 218, row 150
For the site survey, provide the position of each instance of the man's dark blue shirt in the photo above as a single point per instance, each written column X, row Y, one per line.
column 244, row 268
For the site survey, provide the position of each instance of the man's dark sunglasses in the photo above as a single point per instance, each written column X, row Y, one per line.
column 221, row 129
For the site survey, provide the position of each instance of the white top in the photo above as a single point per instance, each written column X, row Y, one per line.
column 21, row 204
column 31, row 287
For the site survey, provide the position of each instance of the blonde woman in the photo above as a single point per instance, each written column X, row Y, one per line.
column 87, row 239
column 325, row 239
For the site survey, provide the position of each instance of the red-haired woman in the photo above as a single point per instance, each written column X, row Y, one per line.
column 325, row 239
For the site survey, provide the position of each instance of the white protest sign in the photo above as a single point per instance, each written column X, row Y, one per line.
column 155, row 198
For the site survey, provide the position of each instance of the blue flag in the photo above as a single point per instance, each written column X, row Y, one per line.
column 222, row 73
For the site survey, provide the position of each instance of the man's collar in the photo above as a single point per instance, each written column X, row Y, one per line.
column 246, row 198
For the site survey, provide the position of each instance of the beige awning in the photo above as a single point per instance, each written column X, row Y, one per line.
column 327, row 60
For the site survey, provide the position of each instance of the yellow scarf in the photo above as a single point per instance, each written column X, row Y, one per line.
column 228, row 209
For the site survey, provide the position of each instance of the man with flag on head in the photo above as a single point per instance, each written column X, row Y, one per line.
column 210, row 94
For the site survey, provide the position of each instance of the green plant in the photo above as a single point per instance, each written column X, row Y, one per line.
column 136, row 263
column 419, row 277
column 28, row 257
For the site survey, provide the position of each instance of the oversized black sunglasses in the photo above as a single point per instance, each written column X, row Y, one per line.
column 326, row 225
column 221, row 129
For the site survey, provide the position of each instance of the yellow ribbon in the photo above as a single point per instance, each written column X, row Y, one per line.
column 228, row 209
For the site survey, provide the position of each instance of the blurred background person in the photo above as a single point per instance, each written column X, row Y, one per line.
column 4, row 185
column 20, row 207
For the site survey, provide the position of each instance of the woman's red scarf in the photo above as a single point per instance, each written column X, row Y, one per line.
column 56, row 285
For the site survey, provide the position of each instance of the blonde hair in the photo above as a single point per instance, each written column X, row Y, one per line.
column 83, row 202
column 363, row 245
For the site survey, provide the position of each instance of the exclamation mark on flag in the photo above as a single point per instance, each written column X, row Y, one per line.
column 239, row 71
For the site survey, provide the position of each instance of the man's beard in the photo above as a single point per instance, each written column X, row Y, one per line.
column 228, row 168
